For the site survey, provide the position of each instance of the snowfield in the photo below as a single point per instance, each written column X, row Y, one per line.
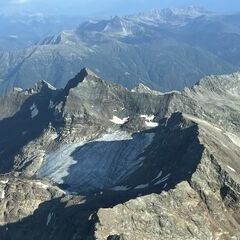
column 118, row 120
column 149, row 121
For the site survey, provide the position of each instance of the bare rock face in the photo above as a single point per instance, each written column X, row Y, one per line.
column 205, row 207
column 97, row 161
column 214, row 99
column 170, row 215
column 21, row 197
column 177, row 214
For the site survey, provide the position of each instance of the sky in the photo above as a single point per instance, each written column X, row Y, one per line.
column 109, row 7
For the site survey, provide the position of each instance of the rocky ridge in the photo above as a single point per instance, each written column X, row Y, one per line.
column 162, row 166
column 164, row 50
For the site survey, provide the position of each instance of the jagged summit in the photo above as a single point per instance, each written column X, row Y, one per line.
column 141, row 88
column 109, row 145
column 226, row 84
column 42, row 84
column 174, row 15
column 89, row 72
column 191, row 11
column 123, row 42
column 84, row 74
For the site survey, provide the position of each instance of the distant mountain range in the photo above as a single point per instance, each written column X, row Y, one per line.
column 23, row 30
column 164, row 49
column 95, row 160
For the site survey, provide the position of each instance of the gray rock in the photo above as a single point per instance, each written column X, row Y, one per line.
column 170, row 169
column 163, row 50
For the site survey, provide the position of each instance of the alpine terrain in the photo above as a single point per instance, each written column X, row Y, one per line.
column 163, row 49
column 19, row 31
column 95, row 160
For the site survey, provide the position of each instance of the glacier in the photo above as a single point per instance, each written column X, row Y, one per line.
column 95, row 165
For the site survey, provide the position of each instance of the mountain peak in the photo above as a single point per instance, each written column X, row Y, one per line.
column 89, row 72
column 141, row 88
column 170, row 15
column 44, row 84
column 220, row 83
column 84, row 74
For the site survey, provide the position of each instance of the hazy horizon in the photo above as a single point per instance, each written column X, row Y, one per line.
column 108, row 7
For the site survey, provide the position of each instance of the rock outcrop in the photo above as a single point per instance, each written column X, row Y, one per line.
column 97, row 161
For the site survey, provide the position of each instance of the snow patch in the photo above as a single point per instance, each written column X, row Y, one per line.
column 141, row 164
column 141, row 159
column 164, row 179
column 158, row 176
column 234, row 91
column 116, row 136
column 49, row 218
column 232, row 169
column 51, row 104
column 67, row 33
column 118, row 120
column 17, row 89
column 13, row 36
column 50, row 86
column 202, row 122
column 53, row 136
column 24, row 133
column 107, row 27
column 235, row 139
column 4, row 181
column 165, row 185
column 2, row 195
column 120, row 188
column 147, row 117
column 34, row 111
column 142, row 186
column 149, row 121
column 151, row 124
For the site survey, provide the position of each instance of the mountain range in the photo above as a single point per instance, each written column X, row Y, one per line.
column 95, row 160
column 163, row 49
column 19, row 31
